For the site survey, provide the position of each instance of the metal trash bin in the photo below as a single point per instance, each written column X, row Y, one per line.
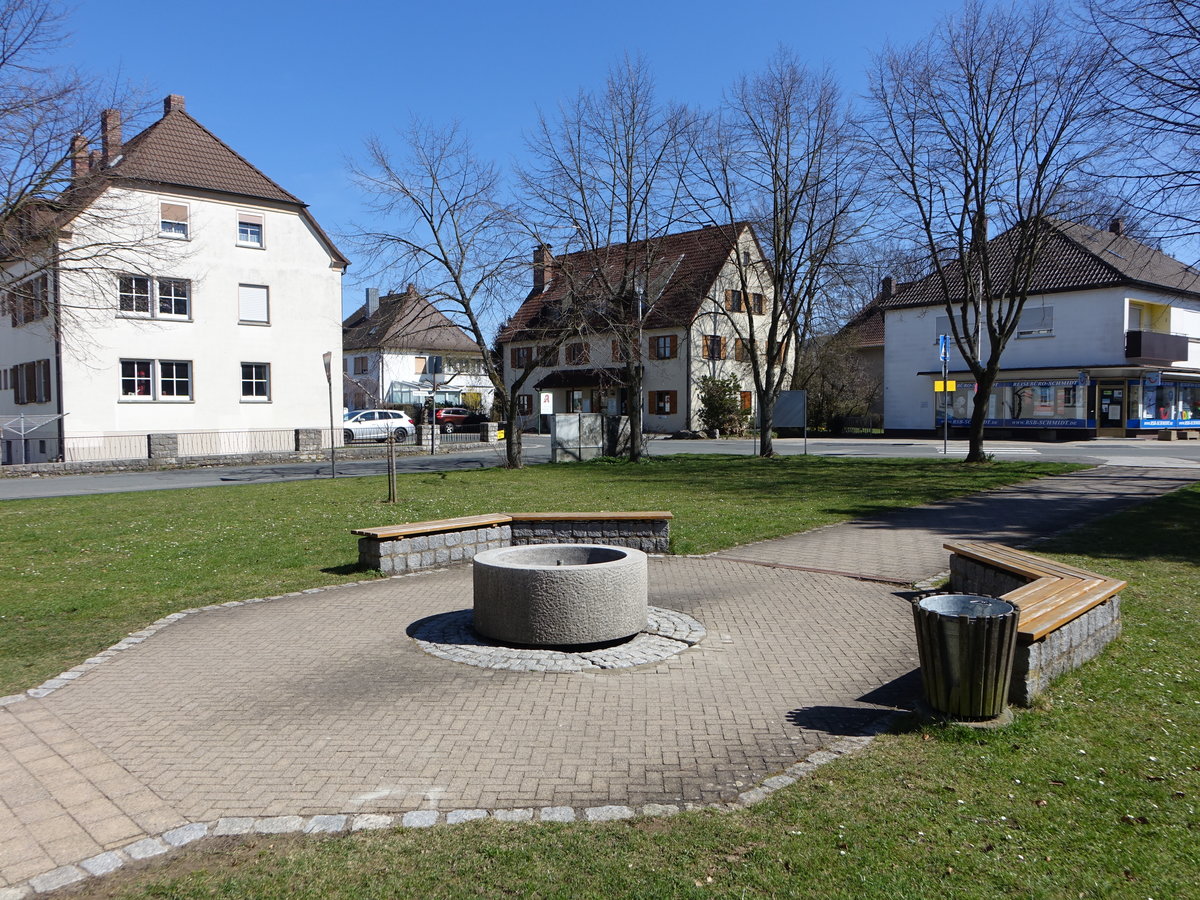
column 967, row 643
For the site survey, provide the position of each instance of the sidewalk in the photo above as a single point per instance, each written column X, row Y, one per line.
column 316, row 711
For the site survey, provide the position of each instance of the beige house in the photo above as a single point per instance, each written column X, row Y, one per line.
column 698, row 312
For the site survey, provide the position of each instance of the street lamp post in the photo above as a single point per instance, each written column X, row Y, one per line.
column 327, row 358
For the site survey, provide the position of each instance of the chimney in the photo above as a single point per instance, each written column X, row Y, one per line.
column 81, row 162
column 173, row 102
column 110, row 135
column 542, row 260
column 93, row 159
column 887, row 288
column 1117, row 226
column 372, row 301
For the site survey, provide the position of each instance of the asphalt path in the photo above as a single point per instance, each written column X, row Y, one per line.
column 1116, row 451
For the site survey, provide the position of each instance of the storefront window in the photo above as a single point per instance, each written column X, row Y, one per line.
column 1170, row 402
column 1025, row 403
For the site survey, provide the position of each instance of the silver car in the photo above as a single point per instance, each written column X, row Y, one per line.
column 377, row 425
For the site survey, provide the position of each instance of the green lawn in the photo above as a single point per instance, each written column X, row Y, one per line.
column 80, row 573
column 1095, row 794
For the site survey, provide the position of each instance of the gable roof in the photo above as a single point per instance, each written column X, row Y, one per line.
column 1074, row 258
column 404, row 321
column 686, row 264
column 179, row 152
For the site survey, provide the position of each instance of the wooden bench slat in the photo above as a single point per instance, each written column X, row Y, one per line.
column 588, row 516
column 435, row 525
column 1055, row 594
column 1067, row 611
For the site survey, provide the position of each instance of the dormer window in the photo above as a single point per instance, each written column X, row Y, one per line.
column 173, row 220
column 250, row 230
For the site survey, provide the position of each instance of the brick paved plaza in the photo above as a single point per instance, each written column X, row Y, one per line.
column 321, row 705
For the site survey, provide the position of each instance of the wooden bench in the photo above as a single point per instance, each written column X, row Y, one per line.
column 1067, row 614
column 411, row 546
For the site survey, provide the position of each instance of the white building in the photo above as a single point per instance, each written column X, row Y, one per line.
column 204, row 311
column 690, row 331
column 399, row 350
column 1108, row 344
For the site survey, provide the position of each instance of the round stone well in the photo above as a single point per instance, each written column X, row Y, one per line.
column 560, row 595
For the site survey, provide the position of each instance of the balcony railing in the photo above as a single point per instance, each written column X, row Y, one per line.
column 1156, row 347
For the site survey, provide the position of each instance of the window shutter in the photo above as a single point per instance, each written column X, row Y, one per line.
column 674, row 345
column 250, row 218
column 43, row 368
column 174, row 212
column 253, row 303
column 616, row 352
column 721, row 348
column 652, row 346
column 747, row 400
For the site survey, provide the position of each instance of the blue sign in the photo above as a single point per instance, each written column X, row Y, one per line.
column 944, row 347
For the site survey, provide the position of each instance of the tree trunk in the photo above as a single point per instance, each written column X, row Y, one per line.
column 766, row 414
column 983, row 390
column 633, row 380
column 512, row 436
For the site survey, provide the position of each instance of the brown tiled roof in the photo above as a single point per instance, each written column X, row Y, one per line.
column 1075, row 257
column 179, row 152
column 688, row 262
column 405, row 321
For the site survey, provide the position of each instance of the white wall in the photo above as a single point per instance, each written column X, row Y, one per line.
column 305, row 322
column 1089, row 331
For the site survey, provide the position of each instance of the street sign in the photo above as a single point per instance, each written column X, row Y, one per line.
column 944, row 347
column 547, row 403
column 945, row 387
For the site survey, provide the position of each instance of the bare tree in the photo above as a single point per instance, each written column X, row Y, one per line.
column 449, row 229
column 605, row 184
column 784, row 155
column 56, row 215
column 1156, row 48
column 999, row 116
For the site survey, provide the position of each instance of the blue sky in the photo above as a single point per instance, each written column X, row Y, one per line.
column 295, row 87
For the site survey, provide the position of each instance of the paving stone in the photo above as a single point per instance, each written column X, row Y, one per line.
column 608, row 813
column 456, row 816
column 420, row 818
column 15, row 893
column 185, row 834
column 104, row 863
column 146, row 848
column 57, row 878
column 557, row 814
column 279, row 825
column 778, row 781
column 660, row 809
column 234, row 825
column 370, row 822
column 513, row 815
column 325, row 824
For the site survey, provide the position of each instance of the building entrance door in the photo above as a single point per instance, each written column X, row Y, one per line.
column 1110, row 409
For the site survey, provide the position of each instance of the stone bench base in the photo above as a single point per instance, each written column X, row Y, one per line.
column 414, row 550
column 1040, row 660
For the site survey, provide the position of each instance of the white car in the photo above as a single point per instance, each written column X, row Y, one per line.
column 376, row 425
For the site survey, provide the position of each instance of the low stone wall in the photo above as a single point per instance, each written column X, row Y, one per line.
column 430, row 551
column 647, row 535
column 444, row 547
column 1039, row 662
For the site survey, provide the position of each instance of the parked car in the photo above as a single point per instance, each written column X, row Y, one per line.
column 451, row 417
column 376, row 425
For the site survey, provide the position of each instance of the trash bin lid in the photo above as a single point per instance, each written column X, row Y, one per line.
column 971, row 605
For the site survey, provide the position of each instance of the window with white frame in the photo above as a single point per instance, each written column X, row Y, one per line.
column 173, row 220
column 254, row 305
column 250, row 230
column 165, row 298
column 31, row 382
column 1036, row 321
column 256, row 382
column 175, row 380
column 147, row 380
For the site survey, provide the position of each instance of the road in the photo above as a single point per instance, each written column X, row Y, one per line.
column 1115, row 451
